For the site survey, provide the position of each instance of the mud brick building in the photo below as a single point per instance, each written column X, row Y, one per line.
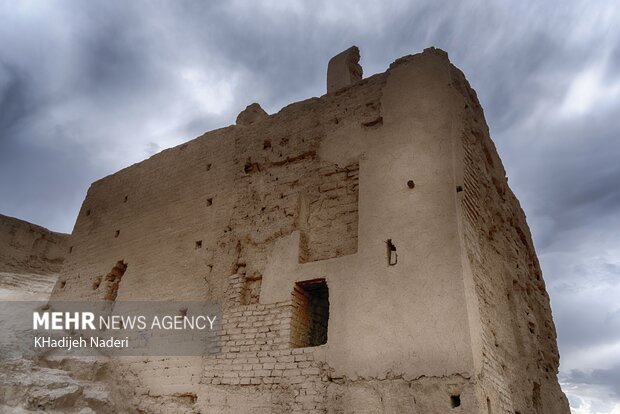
column 366, row 249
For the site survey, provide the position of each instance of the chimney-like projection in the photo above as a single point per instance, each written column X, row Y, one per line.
column 344, row 69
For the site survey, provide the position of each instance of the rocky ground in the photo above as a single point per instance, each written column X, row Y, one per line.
column 47, row 384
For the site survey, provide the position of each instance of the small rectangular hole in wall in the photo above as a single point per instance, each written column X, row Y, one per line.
column 88, row 212
column 126, row 198
column 391, row 252
column 455, row 401
column 70, row 249
column 310, row 313
column 208, row 166
column 117, row 233
column 209, row 202
column 198, row 244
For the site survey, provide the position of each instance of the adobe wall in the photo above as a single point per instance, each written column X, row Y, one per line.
column 28, row 248
column 240, row 214
column 30, row 259
column 515, row 340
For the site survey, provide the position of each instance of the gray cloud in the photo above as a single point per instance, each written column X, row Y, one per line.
column 604, row 384
column 87, row 88
column 599, row 376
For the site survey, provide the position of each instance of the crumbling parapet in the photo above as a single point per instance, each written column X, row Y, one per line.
column 344, row 69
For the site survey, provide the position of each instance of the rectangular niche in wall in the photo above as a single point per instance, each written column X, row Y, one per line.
column 310, row 313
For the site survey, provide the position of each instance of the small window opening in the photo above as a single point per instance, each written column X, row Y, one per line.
column 410, row 184
column 198, row 244
column 88, row 212
column 489, row 406
column 459, row 188
column 208, row 166
column 117, row 233
column 266, row 144
column 455, row 401
column 126, row 198
column 209, row 202
column 391, row 252
column 63, row 284
column 70, row 249
column 310, row 313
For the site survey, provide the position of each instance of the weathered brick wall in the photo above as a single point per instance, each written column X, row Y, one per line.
column 519, row 352
column 258, row 349
column 255, row 351
column 301, row 318
column 291, row 372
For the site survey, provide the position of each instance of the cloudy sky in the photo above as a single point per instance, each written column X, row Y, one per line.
column 87, row 88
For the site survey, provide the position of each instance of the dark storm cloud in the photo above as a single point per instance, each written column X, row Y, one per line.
column 574, row 176
column 87, row 88
column 15, row 99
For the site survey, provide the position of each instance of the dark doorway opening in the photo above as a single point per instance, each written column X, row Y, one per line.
column 310, row 313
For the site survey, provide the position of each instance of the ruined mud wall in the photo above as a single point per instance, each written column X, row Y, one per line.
column 189, row 217
column 517, row 338
column 28, row 248
column 199, row 221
